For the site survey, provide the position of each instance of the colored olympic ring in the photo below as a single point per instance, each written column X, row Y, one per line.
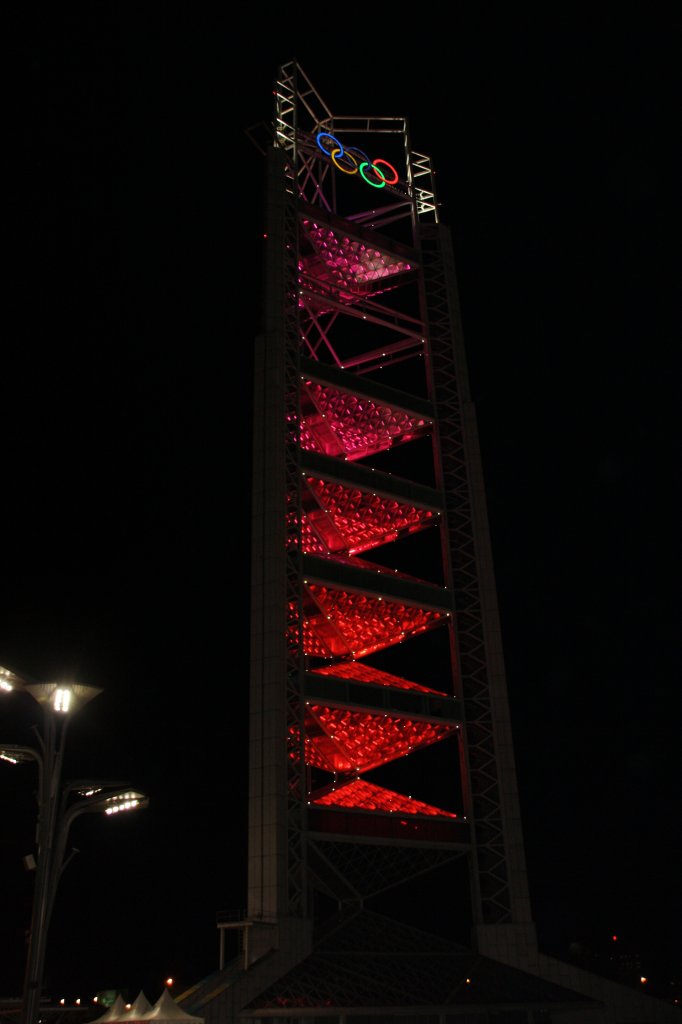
column 353, row 161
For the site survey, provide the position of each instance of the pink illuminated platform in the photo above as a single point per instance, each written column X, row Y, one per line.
column 338, row 423
column 353, row 268
column 349, row 521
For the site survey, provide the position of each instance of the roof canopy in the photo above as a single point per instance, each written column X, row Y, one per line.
column 164, row 1009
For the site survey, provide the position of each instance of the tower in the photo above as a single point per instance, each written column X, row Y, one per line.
column 380, row 749
column 375, row 641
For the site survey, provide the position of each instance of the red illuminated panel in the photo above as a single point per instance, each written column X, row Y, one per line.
column 338, row 624
column 351, row 267
column 362, row 673
column 365, row 796
column 351, row 521
column 341, row 740
column 337, row 423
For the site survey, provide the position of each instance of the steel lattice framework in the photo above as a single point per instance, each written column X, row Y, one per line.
column 379, row 744
column 365, row 442
column 380, row 749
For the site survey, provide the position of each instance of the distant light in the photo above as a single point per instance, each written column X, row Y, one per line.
column 61, row 1002
column 78, row 1001
column 61, row 701
column 468, row 981
column 8, row 679
column 643, row 980
column 614, row 938
column 169, row 981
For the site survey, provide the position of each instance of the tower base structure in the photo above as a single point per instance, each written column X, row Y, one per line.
column 362, row 968
column 614, row 1003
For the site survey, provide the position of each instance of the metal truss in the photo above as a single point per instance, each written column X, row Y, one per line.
column 450, row 390
column 296, row 861
column 300, row 113
column 371, row 968
column 356, row 871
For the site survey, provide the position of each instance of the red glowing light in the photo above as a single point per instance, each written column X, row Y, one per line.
column 363, row 673
column 337, row 423
column 366, row 796
column 340, row 740
column 348, row 520
column 393, row 180
column 339, row 624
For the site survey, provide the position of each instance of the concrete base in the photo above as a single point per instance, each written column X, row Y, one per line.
column 516, row 945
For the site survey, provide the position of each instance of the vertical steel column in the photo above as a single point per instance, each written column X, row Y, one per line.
column 277, row 882
column 499, row 884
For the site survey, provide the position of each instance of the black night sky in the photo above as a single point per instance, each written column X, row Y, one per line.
column 126, row 394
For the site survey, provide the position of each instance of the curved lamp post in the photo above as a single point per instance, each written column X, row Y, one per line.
column 57, row 810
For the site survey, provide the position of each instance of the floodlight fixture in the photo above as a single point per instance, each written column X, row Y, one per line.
column 64, row 698
column 14, row 754
column 57, row 808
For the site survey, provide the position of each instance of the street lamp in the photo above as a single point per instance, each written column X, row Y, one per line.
column 57, row 809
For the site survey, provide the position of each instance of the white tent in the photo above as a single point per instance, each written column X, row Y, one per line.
column 139, row 1010
column 113, row 1013
column 166, row 1009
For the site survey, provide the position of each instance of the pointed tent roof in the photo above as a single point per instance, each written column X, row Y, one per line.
column 114, row 1012
column 166, row 1009
column 140, row 1009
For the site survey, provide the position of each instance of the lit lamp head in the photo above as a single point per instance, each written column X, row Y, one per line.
column 118, row 802
column 15, row 755
column 63, row 698
column 10, row 680
column 93, row 787
column 129, row 801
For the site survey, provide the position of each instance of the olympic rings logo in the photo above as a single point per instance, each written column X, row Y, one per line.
column 351, row 160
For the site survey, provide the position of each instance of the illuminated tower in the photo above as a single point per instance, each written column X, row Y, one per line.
column 375, row 642
column 380, row 744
